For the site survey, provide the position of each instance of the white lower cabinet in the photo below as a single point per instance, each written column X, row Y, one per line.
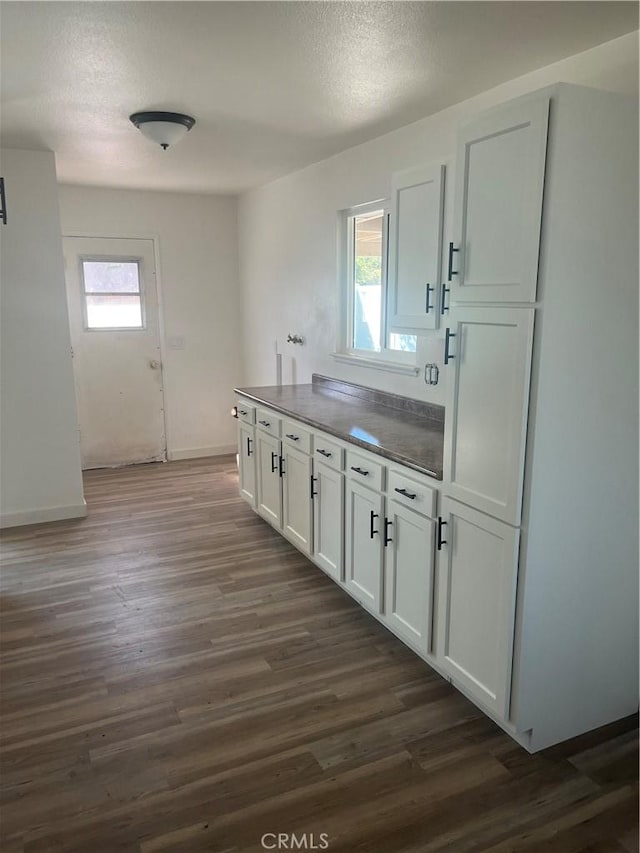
column 268, row 486
column 409, row 558
column 297, row 509
column 328, row 520
column 477, row 570
column 364, row 528
column 247, row 462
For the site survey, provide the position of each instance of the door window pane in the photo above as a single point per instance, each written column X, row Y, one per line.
column 112, row 294
column 367, row 278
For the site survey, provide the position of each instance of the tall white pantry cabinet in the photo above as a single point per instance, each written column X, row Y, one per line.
column 537, row 570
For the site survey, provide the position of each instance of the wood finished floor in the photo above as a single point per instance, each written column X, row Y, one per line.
column 176, row 677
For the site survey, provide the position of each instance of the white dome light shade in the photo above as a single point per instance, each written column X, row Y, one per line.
column 163, row 128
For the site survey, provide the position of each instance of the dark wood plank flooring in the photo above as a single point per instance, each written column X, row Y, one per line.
column 176, row 677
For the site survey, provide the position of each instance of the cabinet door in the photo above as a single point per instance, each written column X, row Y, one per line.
column 297, row 510
column 328, row 520
column 477, row 572
column 364, row 523
column 269, row 489
column 489, row 355
column 247, row 463
column 415, row 248
column 498, row 204
column 408, row 584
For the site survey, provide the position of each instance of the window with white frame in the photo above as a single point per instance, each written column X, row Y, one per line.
column 364, row 263
column 112, row 294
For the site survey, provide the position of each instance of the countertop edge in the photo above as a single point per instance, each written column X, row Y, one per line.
column 349, row 439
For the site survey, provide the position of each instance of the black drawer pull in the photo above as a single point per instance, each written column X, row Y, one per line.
column 324, row 452
column 443, row 298
column 360, row 471
column 249, row 450
column 405, row 493
column 274, row 464
column 428, row 306
column 265, row 423
column 448, row 334
column 387, row 538
column 372, row 532
column 451, row 271
column 242, row 411
column 440, row 541
column 292, row 436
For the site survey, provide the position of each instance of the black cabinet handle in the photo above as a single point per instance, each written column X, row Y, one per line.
column 448, row 334
column 405, row 493
column 387, row 538
column 324, row 452
column 443, row 298
column 428, row 306
column 440, row 541
column 249, row 450
column 242, row 411
column 3, row 203
column 313, row 480
column 274, row 464
column 451, row 272
column 360, row 471
column 292, row 436
column 372, row 532
column 265, row 423
column 281, row 470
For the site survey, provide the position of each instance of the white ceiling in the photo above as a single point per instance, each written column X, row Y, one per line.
column 273, row 86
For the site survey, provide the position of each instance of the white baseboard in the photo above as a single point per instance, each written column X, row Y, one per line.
column 198, row 452
column 39, row 516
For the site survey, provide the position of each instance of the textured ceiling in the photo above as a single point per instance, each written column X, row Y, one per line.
column 273, row 86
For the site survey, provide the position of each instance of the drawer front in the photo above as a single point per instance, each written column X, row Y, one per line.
column 246, row 412
column 328, row 451
column 365, row 469
column 296, row 436
column 268, row 421
column 412, row 491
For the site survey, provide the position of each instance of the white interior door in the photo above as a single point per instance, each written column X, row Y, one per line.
column 115, row 335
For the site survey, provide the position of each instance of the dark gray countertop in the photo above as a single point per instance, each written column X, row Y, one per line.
column 403, row 436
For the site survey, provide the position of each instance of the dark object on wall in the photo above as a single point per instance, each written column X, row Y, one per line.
column 3, row 203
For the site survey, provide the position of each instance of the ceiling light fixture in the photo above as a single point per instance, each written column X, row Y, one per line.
column 164, row 128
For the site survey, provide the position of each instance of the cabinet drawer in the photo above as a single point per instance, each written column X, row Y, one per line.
column 246, row 412
column 268, row 421
column 328, row 451
column 362, row 468
column 412, row 491
column 296, row 436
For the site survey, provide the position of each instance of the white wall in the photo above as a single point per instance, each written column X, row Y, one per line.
column 288, row 228
column 199, row 294
column 40, row 478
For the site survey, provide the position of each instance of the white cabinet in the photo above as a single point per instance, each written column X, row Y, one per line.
column 297, row 509
column 268, row 486
column 500, row 168
column 488, row 356
column 364, row 549
column 415, row 248
column 247, row 462
column 409, row 559
column 477, row 570
column 328, row 520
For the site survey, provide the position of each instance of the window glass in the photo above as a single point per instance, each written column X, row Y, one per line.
column 367, row 279
column 112, row 294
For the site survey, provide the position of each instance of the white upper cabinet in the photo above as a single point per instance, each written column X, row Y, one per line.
column 415, row 248
column 488, row 354
column 500, row 167
column 477, row 571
